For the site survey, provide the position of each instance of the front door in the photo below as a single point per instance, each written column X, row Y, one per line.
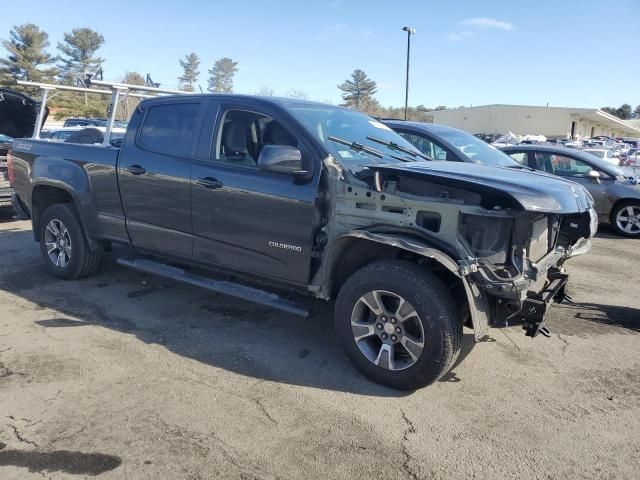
column 576, row 170
column 246, row 218
column 154, row 174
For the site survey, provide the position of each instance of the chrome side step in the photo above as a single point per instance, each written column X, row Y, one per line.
column 220, row 286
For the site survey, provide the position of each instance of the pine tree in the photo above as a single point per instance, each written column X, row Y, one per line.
column 27, row 59
column 78, row 50
column 78, row 58
column 221, row 79
column 624, row 112
column 358, row 91
column 190, row 73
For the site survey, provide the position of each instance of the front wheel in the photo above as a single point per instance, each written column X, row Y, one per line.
column 626, row 219
column 63, row 244
column 398, row 324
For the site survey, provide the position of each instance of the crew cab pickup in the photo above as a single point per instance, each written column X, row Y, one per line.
column 316, row 200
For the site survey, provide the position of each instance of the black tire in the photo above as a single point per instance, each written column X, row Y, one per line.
column 83, row 261
column 436, row 310
column 635, row 204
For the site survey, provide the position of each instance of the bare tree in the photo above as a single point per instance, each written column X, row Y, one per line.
column 128, row 104
column 296, row 93
column 265, row 91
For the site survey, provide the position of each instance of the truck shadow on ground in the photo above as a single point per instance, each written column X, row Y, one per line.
column 594, row 318
column 7, row 215
column 217, row 330
column 74, row 463
column 227, row 333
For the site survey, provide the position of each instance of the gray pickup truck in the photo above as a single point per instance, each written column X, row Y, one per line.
column 318, row 201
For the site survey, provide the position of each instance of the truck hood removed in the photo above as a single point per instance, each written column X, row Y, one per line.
column 534, row 191
column 18, row 114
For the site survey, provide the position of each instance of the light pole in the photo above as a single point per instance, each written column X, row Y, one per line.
column 410, row 31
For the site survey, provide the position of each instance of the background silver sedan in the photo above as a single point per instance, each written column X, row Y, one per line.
column 614, row 189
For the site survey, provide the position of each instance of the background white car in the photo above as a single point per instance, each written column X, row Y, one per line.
column 604, row 154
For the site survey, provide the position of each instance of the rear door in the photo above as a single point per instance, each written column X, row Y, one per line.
column 246, row 218
column 154, row 174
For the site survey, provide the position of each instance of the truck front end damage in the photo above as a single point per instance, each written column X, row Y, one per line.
column 507, row 233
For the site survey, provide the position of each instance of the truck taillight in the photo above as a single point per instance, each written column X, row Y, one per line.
column 10, row 167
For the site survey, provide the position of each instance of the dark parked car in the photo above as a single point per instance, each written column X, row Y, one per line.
column 5, row 188
column 614, row 189
column 17, row 119
column 91, row 122
column 440, row 142
column 321, row 201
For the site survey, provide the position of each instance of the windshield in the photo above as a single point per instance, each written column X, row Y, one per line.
column 5, row 138
column 476, row 150
column 353, row 138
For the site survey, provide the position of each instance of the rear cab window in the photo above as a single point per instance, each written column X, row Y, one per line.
column 169, row 128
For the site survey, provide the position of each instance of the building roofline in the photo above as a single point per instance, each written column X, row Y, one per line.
column 577, row 110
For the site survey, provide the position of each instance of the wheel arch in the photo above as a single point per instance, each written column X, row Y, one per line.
column 354, row 250
column 46, row 194
column 620, row 202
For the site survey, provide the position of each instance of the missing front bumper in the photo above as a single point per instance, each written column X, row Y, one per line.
column 534, row 307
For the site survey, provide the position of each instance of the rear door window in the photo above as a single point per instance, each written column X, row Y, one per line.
column 425, row 145
column 520, row 157
column 169, row 129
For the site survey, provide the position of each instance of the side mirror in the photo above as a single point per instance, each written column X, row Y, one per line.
column 594, row 176
column 281, row 159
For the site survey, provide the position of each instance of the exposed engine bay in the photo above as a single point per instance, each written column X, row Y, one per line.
column 507, row 253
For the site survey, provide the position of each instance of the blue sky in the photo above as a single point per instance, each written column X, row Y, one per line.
column 566, row 53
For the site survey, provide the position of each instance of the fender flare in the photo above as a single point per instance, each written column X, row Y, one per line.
column 476, row 298
column 73, row 180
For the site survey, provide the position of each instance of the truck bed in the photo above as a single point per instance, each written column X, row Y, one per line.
column 88, row 171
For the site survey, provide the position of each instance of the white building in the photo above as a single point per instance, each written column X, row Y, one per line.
column 552, row 122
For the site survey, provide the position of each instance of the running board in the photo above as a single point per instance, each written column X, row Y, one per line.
column 220, row 286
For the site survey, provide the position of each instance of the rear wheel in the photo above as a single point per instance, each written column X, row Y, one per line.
column 626, row 219
column 398, row 324
column 63, row 244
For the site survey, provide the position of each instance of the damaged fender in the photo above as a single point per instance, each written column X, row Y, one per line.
column 477, row 300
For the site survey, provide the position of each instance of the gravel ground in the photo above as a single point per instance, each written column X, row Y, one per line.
column 129, row 376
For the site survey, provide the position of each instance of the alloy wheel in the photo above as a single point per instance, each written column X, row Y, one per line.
column 628, row 219
column 387, row 330
column 58, row 243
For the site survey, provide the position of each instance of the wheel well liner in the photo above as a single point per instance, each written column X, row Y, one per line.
column 42, row 197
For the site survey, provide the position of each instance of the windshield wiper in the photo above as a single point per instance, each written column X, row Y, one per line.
column 358, row 147
column 400, row 148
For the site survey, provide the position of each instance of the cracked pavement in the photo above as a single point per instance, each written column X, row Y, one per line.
column 126, row 376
